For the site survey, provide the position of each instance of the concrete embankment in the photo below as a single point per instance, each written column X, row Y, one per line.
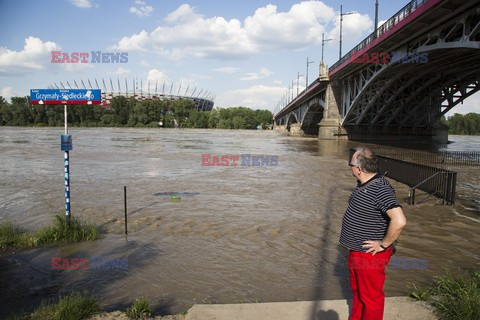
column 396, row 308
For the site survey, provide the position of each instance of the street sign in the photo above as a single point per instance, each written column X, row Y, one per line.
column 59, row 97
column 65, row 96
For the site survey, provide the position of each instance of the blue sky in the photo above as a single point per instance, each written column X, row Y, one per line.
column 245, row 53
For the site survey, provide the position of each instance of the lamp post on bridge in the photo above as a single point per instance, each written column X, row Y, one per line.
column 376, row 16
column 292, row 90
column 306, row 79
column 341, row 22
column 298, row 79
column 323, row 43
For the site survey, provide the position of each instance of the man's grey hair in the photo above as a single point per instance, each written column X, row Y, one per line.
column 366, row 160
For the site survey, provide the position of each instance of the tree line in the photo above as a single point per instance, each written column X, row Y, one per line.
column 468, row 124
column 129, row 112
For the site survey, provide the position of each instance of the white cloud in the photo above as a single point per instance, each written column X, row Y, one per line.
column 203, row 38
column 143, row 10
column 354, row 28
column 263, row 73
column 182, row 14
column 255, row 97
column 6, row 93
column 159, row 77
column 82, row 3
column 187, row 33
column 228, row 70
column 134, row 43
column 121, row 72
column 301, row 26
column 35, row 55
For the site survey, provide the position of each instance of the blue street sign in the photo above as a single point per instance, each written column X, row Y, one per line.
column 65, row 96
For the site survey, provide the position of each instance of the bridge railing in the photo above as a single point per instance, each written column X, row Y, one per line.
column 278, row 109
column 399, row 16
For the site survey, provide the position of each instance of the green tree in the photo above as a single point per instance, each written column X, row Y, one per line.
column 239, row 122
column 468, row 124
column 213, row 118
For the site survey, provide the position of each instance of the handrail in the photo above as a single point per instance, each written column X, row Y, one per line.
column 400, row 15
column 411, row 192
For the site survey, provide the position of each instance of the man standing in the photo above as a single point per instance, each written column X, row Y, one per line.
column 372, row 223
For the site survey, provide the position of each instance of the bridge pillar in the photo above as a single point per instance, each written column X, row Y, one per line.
column 296, row 129
column 329, row 127
column 441, row 133
column 280, row 128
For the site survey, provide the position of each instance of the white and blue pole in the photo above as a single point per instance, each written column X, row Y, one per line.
column 66, row 145
column 67, row 187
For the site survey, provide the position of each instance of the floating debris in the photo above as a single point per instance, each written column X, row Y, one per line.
column 184, row 194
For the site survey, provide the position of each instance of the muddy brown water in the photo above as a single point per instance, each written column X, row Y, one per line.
column 238, row 233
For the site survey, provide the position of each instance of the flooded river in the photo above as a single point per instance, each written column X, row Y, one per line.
column 238, row 233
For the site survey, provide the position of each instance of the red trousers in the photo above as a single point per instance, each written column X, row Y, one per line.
column 367, row 277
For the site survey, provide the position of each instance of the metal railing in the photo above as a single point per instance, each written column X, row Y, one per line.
column 438, row 182
column 446, row 158
column 396, row 18
column 310, row 86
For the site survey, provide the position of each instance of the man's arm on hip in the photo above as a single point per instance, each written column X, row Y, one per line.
column 397, row 223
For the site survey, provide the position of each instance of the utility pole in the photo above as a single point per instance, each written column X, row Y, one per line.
column 341, row 23
column 298, row 79
column 306, row 79
column 323, row 43
column 292, row 89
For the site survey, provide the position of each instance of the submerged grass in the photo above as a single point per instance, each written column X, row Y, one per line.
column 60, row 231
column 140, row 309
column 75, row 306
column 10, row 235
column 455, row 297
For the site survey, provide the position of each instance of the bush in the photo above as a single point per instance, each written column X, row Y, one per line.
column 454, row 297
column 61, row 231
column 10, row 235
column 140, row 309
column 75, row 306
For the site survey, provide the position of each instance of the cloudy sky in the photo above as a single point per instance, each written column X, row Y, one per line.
column 245, row 53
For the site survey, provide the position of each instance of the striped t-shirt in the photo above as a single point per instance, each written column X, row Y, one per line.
column 366, row 217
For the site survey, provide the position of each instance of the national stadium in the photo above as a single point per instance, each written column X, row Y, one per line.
column 202, row 99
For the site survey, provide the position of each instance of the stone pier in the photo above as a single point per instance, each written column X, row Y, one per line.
column 280, row 128
column 329, row 127
column 296, row 129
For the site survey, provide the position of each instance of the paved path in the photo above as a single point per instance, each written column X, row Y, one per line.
column 396, row 308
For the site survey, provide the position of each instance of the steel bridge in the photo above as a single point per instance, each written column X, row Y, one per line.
column 365, row 98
